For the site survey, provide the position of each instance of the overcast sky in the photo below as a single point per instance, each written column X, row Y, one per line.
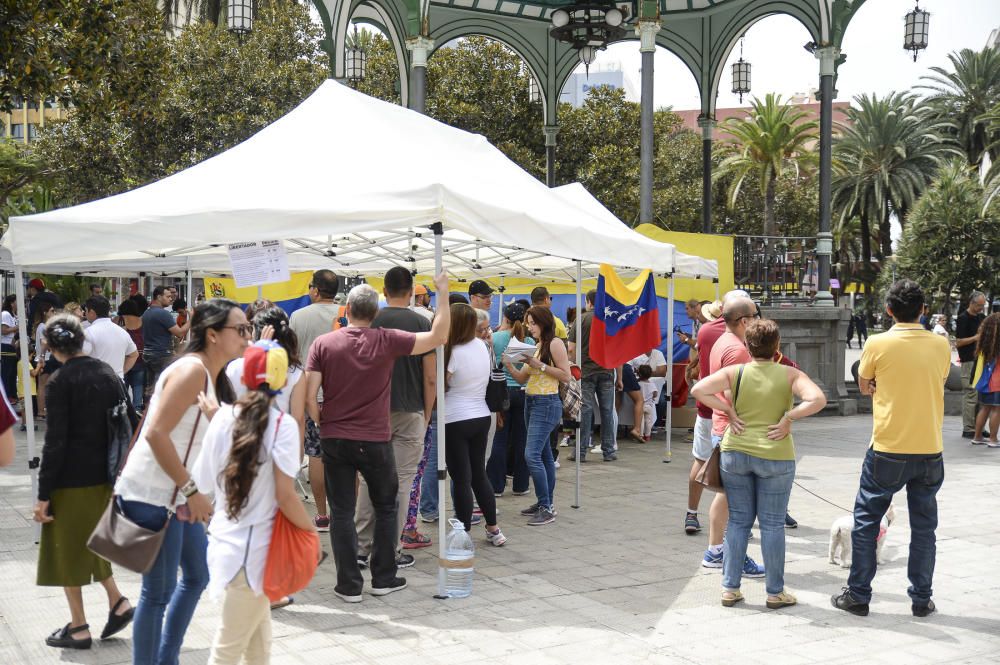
column 876, row 61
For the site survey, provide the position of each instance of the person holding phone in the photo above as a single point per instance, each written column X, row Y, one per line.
column 156, row 488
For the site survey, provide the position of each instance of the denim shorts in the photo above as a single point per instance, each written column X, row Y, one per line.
column 989, row 399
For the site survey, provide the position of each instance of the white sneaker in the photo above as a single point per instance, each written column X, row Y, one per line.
column 557, row 464
column 496, row 539
column 564, row 442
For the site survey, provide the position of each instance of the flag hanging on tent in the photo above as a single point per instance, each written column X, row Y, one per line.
column 626, row 322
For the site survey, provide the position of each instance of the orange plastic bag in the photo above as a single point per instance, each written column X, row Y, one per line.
column 292, row 559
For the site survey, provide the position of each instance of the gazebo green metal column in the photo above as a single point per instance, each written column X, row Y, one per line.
column 707, row 127
column 646, row 30
column 551, row 134
column 824, row 238
column 420, row 48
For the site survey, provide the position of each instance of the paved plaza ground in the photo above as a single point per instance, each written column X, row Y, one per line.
column 616, row 581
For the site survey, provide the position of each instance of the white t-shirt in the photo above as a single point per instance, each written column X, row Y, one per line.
column 282, row 400
column 107, row 341
column 9, row 320
column 41, row 356
column 938, row 330
column 649, row 392
column 246, row 539
column 469, row 373
column 424, row 312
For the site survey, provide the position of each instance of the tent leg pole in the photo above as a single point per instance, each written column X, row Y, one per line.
column 668, row 412
column 29, row 410
column 579, row 363
column 442, row 467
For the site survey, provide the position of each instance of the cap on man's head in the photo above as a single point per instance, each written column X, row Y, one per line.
column 711, row 311
column 480, row 288
column 36, row 283
column 419, row 290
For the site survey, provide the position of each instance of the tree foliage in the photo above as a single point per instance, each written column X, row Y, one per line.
column 952, row 243
column 204, row 93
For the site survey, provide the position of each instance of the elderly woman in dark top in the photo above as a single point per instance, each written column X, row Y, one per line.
column 73, row 483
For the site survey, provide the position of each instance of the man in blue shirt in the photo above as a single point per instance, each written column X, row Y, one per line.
column 158, row 332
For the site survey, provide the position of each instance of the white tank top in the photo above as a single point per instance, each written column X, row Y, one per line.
column 143, row 479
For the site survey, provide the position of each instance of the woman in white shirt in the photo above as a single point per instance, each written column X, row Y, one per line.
column 8, row 354
column 272, row 323
column 45, row 365
column 156, row 487
column 467, row 420
column 248, row 462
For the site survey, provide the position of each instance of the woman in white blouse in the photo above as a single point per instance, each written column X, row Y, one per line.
column 248, row 461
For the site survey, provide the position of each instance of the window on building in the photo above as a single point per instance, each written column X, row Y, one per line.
column 32, row 131
column 32, row 104
column 3, row 130
column 17, row 131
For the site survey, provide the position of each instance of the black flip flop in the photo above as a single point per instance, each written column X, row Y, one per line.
column 284, row 602
column 61, row 638
column 116, row 622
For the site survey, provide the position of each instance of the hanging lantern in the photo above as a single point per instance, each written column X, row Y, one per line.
column 915, row 37
column 741, row 75
column 587, row 55
column 355, row 60
column 239, row 17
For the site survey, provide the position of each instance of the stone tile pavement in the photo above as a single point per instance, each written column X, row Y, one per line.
column 614, row 581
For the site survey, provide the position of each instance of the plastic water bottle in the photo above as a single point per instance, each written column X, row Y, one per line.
column 460, row 556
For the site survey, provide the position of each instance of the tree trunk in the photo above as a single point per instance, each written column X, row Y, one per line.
column 769, row 201
column 866, row 244
column 885, row 230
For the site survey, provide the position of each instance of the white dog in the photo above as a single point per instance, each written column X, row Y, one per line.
column 840, row 536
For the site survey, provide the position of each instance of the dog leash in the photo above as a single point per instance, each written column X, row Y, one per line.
column 796, row 483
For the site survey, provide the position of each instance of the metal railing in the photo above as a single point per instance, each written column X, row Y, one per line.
column 775, row 268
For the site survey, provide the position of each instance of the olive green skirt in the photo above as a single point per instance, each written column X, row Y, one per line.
column 63, row 557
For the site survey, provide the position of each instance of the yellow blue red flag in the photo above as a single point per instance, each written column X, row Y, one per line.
column 626, row 321
column 289, row 296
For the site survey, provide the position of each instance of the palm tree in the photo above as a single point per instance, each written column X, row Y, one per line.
column 885, row 156
column 992, row 177
column 775, row 137
column 964, row 95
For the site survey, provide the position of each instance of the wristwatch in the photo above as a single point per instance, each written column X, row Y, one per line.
column 189, row 489
column 542, row 368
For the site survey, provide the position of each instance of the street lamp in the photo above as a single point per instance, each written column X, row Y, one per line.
column 588, row 27
column 915, row 36
column 239, row 17
column 356, row 60
column 741, row 75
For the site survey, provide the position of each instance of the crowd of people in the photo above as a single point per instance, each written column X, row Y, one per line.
column 229, row 393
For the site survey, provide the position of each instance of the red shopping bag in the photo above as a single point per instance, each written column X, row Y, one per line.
column 292, row 559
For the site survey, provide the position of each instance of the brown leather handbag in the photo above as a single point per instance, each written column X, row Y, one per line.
column 710, row 474
column 121, row 541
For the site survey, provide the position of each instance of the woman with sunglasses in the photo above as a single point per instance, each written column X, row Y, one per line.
column 156, row 489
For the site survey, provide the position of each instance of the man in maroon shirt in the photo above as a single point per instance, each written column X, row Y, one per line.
column 701, row 449
column 353, row 365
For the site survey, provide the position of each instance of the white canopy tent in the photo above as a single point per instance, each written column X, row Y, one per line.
column 349, row 183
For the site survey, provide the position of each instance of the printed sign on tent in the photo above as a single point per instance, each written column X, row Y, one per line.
column 260, row 262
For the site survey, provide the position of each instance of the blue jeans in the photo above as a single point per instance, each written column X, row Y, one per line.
column 153, row 639
column 135, row 379
column 512, row 435
column 429, row 483
column 882, row 475
column 756, row 488
column 542, row 413
column 603, row 387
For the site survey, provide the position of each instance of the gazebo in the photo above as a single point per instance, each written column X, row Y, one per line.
column 554, row 36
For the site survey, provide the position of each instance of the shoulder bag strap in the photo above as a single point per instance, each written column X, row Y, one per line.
column 187, row 453
column 736, row 390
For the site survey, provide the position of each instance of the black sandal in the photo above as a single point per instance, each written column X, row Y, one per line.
column 60, row 638
column 116, row 622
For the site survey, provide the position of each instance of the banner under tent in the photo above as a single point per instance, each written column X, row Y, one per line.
column 356, row 185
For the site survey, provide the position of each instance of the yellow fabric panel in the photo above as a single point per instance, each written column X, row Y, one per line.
column 222, row 287
column 717, row 248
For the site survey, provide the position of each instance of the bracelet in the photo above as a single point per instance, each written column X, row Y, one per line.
column 189, row 489
column 542, row 368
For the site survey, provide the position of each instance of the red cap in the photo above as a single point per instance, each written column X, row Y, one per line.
column 36, row 283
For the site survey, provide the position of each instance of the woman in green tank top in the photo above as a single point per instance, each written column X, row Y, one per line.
column 758, row 454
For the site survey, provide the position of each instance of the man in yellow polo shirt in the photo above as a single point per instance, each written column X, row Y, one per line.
column 904, row 370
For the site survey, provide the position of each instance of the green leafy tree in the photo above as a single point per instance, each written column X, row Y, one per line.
column 952, row 245
column 886, row 155
column 962, row 97
column 774, row 138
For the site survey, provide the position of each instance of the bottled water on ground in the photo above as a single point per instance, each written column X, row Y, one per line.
column 460, row 555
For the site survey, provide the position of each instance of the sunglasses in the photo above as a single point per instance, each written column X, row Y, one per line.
column 243, row 329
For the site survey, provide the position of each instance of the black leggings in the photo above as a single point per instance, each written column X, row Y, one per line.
column 465, row 454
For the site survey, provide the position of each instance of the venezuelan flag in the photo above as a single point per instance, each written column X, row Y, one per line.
column 289, row 296
column 626, row 322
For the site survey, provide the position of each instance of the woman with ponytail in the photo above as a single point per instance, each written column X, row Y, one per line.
column 248, row 462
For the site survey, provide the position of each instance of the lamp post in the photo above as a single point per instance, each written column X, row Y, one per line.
column 741, row 75
column 239, row 18
column 917, row 23
column 355, row 60
column 588, row 27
